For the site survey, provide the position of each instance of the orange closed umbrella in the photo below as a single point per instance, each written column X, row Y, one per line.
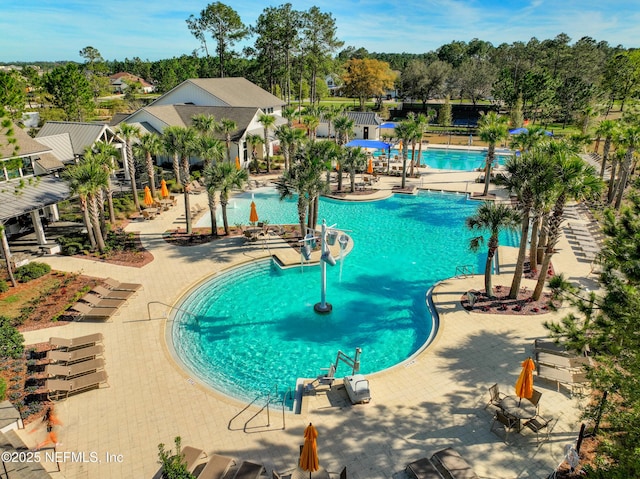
column 524, row 384
column 253, row 215
column 148, row 199
column 237, row 163
column 370, row 166
column 309, row 454
column 164, row 191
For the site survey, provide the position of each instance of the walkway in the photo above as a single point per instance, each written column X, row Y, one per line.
column 434, row 401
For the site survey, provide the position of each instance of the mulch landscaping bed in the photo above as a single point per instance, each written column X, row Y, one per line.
column 500, row 303
column 136, row 257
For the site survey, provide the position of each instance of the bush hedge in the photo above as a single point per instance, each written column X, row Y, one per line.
column 31, row 271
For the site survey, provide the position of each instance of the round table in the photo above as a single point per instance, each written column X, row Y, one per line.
column 518, row 408
column 321, row 473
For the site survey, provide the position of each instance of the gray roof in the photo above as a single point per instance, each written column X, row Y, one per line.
column 27, row 145
column 364, row 117
column 82, row 134
column 60, row 144
column 236, row 91
column 181, row 115
column 37, row 193
column 49, row 162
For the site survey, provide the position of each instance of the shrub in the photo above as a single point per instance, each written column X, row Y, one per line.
column 173, row 464
column 11, row 341
column 3, row 389
column 4, row 286
column 31, row 271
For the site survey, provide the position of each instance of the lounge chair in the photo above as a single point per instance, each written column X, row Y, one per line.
column 118, row 286
column 105, row 293
column 451, row 464
column 58, row 388
column 75, row 369
column 76, row 355
column 423, row 469
column 217, row 466
column 98, row 302
column 89, row 312
column 75, row 343
column 195, row 188
column 248, row 470
column 550, row 347
column 191, row 456
column 559, row 361
column 148, row 215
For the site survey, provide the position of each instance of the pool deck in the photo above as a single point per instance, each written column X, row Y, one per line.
column 434, row 401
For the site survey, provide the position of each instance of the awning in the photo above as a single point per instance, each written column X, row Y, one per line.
column 33, row 193
column 519, row 131
column 378, row 145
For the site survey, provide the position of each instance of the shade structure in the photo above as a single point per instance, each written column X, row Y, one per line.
column 520, row 131
column 370, row 166
column 148, row 199
column 164, row 191
column 253, row 214
column 309, row 454
column 524, row 384
column 237, row 163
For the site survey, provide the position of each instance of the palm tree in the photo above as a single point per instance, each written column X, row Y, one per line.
column 405, row 130
column 311, row 123
column 422, row 123
column 254, row 141
column 493, row 217
column 87, row 179
column 289, row 112
column 528, row 139
column 185, row 146
column 574, row 180
column 128, row 133
column 267, row 122
column 331, row 113
column 630, row 140
column 150, row 145
column 344, row 128
column 492, row 129
column 352, row 161
column 6, row 254
column 527, row 177
column 170, row 145
column 204, row 124
column 616, row 159
column 226, row 127
column 211, row 150
column 607, row 130
column 105, row 154
column 288, row 137
column 225, row 177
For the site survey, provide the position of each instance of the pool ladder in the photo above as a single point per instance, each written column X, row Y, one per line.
column 272, row 397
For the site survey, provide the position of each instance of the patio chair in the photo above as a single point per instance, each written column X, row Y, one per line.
column 248, row 470
column 216, row 467
column 118, row 286
column 495, row 396
column 507, row 422
column 535, row 398
column 422, row 469
column 89, row 312
column 63, row 388
column 98, row 302
column 73, row 370
column 75, row 343
column 147, row 215
column 537, row 424
column 77, row 355
column 105, row 293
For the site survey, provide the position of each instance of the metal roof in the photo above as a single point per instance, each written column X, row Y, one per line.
column 61, row 146
column 37, row 192
column 364, row 117
column 82, row 134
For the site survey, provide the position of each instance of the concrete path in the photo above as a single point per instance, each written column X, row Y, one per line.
column 433, row 401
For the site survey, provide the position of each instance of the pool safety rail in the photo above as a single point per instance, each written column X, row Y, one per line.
column 170, row 307
column 272, row 397
column 464, row 271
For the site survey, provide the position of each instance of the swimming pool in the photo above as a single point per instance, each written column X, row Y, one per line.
column 256, row 328
column 451, row 159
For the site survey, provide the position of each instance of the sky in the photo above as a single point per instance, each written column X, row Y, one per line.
column 51, row 30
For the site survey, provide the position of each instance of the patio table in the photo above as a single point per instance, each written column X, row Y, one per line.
column 519, row 408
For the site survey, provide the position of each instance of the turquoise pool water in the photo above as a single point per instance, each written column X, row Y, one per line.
column 255, row 326
column 451, row 159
